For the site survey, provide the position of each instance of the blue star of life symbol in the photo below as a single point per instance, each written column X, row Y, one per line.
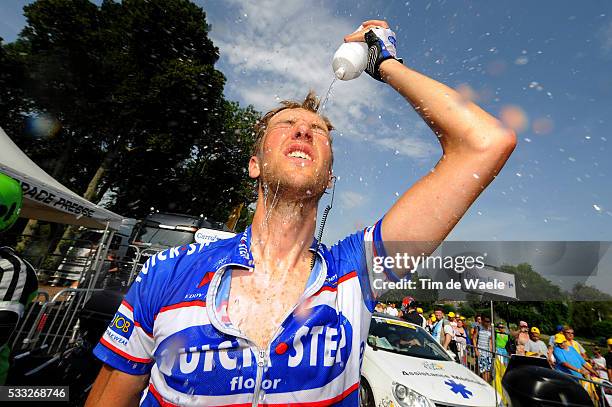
column 458, row 388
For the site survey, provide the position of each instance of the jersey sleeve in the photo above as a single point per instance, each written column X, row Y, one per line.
column 127, row 343
column 364, row 251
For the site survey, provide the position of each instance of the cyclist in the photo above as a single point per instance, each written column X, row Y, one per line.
column 248, row 320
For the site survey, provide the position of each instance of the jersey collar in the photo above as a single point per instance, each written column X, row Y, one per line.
column 243, row 256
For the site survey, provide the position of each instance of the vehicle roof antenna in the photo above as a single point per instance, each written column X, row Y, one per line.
column 323, row 220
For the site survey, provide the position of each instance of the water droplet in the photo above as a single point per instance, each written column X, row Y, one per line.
column 522, row 60
column 476, row 175
column 597, row 207
column 527, row 139
column 518, row 174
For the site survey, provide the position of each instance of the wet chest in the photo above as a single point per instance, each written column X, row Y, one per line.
column 258, row 308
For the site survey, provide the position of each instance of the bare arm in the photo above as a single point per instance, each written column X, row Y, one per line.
column 475, row 147
column 447, row 340
column 115, row 388
column 589, row 369
column 570, row 367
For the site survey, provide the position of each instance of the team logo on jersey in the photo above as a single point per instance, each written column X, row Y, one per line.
column 122, row 326
column 308, row 355
column 171, row 253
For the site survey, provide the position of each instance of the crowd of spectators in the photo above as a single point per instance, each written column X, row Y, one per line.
column 475, row 339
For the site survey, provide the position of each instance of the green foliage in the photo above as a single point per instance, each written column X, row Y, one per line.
column 602, row 329
column 582, row 292
column 466, row 310
column 448, row 308
column 13, row 103
column 134, row 87
column 588, row 307
column 531, row 286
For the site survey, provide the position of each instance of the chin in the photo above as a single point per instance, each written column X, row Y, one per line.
column 297, row 186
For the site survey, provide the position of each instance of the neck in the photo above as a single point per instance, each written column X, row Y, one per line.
column 282, row 231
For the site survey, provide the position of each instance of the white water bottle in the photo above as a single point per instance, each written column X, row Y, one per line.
column 350, row 60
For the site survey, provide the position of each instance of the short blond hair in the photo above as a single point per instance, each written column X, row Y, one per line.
column 310, row 103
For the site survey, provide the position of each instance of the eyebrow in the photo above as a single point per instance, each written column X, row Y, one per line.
column 316, row 125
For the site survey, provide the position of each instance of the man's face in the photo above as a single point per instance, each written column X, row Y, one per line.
column 439, row 314
column 569, row 334
column 535, row 336
column 296, row 154
column 486, row 322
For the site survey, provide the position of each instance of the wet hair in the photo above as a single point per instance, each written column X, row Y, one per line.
column 310, row 103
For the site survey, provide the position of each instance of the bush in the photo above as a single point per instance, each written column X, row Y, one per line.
column 603, row 328
column 466, row 310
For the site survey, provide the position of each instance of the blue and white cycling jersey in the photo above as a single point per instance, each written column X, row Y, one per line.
column 173, row 324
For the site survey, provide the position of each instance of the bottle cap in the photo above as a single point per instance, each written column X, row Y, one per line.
column 340, row 72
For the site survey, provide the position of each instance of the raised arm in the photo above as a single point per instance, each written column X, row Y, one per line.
column 475, row 146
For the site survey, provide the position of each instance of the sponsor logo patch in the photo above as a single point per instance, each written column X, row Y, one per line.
column 122, row 325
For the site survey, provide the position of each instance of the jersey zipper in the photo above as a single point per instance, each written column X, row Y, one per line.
column 262, row 360
column 263, row 355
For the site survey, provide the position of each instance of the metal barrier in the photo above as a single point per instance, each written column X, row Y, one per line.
column 54, row 325
column 29, row 322
column 60, row 260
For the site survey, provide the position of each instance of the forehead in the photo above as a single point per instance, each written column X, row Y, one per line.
column 298, row 113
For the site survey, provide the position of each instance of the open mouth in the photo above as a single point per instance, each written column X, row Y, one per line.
column 300, row 152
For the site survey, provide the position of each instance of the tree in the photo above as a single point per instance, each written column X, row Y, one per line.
column 531, row 286
column 13, row 104
column 141, row 106
column 589, row 306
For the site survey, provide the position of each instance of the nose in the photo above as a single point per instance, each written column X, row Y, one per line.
column 302, row 131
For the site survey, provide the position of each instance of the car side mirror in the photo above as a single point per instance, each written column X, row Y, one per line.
column 372, row 342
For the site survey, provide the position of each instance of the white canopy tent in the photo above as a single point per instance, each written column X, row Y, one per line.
column 44, row 198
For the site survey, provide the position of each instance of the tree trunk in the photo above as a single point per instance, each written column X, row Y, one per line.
column 31, row 227
column 90, row 192
column 65, row 241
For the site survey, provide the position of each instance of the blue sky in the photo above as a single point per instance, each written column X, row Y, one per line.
column 545, row 64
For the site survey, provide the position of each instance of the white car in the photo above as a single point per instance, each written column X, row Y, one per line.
column 404, row 366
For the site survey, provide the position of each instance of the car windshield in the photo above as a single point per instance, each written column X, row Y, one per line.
column 404, row 338
column 163, row 237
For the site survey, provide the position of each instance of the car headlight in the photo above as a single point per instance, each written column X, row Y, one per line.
column 409, row 398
